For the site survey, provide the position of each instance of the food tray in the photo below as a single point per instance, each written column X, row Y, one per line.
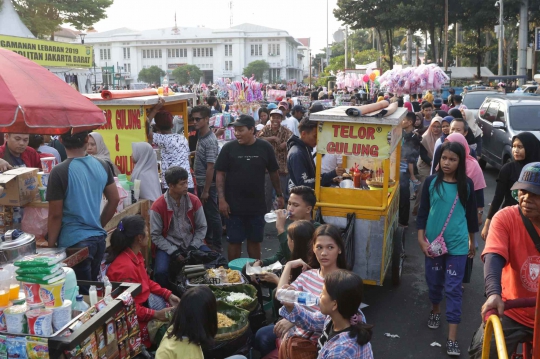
column 242, row 281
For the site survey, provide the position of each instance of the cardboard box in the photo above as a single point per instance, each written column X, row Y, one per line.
column 20, row 186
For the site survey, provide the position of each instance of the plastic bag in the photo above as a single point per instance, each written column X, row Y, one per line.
column 34, row 221
column 42, row 259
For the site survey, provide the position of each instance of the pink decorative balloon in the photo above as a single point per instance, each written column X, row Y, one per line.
column 365, row 78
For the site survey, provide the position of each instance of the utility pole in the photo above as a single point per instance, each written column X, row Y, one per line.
column 445, row 54
column 523, row 41
column 409, row 47
column 459, row 40
column 310, row 70
column 327, row 60
column 501, row 39
column 346, row 52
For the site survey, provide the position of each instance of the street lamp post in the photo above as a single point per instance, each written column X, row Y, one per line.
column 82, row 35
column 95, row 84
column 501, row 38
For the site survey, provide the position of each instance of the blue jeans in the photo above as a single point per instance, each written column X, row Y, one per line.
column 445, row 273
column 88, row 269
column 265, row 340
column 162, row 261
column 213, row 219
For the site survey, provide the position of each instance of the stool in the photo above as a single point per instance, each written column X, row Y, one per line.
column 239, row 263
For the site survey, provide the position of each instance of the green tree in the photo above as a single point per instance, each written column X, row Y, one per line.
column 257, row 68
column 44, row 17
column 187, row 74
column 151, row 75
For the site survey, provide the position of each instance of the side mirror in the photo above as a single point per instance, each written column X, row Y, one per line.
column 499, row 125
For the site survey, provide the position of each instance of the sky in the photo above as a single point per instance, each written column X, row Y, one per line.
column 300, row 18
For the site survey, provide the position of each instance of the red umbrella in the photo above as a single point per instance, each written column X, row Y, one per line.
column 34, row 100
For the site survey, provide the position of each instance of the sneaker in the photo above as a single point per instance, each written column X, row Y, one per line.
column 452, row 348
column 434, row 320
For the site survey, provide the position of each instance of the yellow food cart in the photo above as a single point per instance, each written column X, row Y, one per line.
column 374, row 144
column 126, row 122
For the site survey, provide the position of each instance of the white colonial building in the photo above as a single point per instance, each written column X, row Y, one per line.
column 120, row 54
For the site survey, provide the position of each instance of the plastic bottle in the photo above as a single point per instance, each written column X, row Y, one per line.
column 293, row 296
column 92, row 293
column 108, row 286
column 17, row 218
column 165, row 85
column 271, row 217
column 80, row 305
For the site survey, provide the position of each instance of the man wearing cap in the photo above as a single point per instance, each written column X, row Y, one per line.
column 271, row 106
column 284, row 107
column 277, row 135
column 437, row 103
column 512, row 263
column 292, row 122
column 240, row 170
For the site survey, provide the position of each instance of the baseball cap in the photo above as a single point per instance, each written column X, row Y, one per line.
column 279, row 112
column 437, row 102
column 284, row 104
column 271, row 106
column 298, row 108
column 529, row 179
column 244, row 120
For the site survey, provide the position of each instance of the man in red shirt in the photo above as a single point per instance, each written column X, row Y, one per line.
column 512, row 264
column 15, row 152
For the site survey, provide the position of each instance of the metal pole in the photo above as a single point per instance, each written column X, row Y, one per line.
column 501, row 39
column 445, row 55
column 346, row 52
column 523, row 31
column 310, row 70
column 327, row 61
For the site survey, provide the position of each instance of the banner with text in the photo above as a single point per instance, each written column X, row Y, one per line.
column 348, row 139
column 124, row 125
column 49, row 53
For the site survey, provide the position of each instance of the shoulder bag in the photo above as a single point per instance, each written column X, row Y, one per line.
column 438, row 247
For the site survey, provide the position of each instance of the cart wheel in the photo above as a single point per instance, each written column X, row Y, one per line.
column 398, row 255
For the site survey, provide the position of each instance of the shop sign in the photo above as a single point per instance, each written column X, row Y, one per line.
column 124, row 125
column 49, row 53
column 349, row 139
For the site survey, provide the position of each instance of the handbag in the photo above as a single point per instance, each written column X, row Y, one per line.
column 532, row 231
column 296, row 347
column 438, row 247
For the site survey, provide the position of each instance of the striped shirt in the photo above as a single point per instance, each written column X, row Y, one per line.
column 310, row 281
column 207, row 152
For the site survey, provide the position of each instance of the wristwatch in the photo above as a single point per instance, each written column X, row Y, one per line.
column 480, row 212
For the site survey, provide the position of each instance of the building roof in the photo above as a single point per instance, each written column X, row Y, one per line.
column 111, row 33
column 468, row 72
column 255, row 28
column 68, row 33
column 304, row 41
column 10, row 23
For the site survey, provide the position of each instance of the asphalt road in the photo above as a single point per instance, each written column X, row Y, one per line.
column 404, row 310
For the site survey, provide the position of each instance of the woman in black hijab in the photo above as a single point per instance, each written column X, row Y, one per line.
column 525, row 149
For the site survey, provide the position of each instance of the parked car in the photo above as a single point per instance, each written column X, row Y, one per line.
column 474, row 99
column 500, row 119
column 527, row 88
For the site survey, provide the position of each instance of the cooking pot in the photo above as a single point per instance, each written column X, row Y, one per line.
column 12, row 250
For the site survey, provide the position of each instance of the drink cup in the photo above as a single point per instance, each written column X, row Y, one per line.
column 43, row 194
column 47, row 163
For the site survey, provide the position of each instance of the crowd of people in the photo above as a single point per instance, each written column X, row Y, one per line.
column 206, row 189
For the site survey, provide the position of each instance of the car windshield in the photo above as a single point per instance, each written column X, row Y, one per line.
column 525, row 118
column 473, row 101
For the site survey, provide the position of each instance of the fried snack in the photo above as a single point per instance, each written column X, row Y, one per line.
column 224, row 321
column 233, row 276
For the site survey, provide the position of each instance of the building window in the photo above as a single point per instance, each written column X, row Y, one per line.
column 211, row 51
column 228, row 65
column 101, row 54
column 194, row 52
column 198, row 52
column 127, row 53
column 207, row 51
column 228, row 50
column 144, row 54
column 277, row 52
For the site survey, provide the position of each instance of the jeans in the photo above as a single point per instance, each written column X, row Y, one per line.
column 162, row 261
column 89, row 268
column 269, row 191
column 404, row 201
column 265, row 340
column 445, row 273
column 514, row 333
column 213, row 218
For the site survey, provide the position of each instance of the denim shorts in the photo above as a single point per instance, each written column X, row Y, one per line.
column 240, row 228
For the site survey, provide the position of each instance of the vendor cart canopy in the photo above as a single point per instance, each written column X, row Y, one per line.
column 34, row 100
column 10, row 23
column 468, row 72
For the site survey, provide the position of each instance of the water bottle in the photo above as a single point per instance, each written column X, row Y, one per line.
column 165, row 85
column 293, row 296
column 17, row 218
column 271, row 217
column 80, row 305
column 92, row 293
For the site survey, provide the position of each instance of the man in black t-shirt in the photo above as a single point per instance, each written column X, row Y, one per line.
column 240, row 171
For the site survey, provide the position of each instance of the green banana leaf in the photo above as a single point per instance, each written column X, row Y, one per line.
column 240, row 316
column 222, row 291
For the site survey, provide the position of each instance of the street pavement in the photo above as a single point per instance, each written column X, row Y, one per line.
column 404, row 310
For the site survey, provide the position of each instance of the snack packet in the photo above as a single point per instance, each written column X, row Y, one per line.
column 39, row 270
column 16, row 347
column 41, row 260
column 37, row 348
column 39, row 281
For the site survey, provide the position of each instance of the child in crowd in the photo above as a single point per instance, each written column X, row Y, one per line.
column 449, row 191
